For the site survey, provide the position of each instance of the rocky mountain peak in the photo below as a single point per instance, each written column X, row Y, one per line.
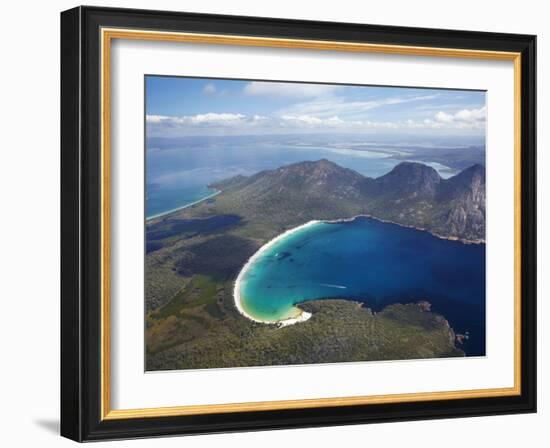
column 411, row 194
column 410, row 179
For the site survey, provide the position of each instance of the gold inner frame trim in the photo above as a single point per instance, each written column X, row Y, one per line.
column 107, row 35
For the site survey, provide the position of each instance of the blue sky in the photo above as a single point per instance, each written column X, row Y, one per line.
column 177, row 107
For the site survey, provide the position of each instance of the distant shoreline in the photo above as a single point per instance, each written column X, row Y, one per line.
column 159, row 215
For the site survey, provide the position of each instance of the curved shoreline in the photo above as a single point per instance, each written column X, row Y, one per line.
column 177, row 209
column 304, row 315
column 407, row 226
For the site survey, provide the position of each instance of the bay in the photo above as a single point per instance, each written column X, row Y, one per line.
column 373, row 262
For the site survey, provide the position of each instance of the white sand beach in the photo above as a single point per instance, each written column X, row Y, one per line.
column 302, row 316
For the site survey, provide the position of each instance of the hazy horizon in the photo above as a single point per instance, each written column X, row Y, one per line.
column 202, row 130
column 180, row 106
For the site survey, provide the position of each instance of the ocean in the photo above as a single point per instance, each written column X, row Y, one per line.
column 375, row 263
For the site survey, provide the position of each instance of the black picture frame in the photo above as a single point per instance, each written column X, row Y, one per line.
column 81, row 224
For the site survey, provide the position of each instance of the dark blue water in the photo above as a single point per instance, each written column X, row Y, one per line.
column 373, row 262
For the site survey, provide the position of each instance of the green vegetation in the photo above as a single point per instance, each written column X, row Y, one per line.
column 338, row 331
column 195, row 254
column 199, row 291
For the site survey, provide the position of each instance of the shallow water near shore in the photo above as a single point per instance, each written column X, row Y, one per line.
column 373, row 262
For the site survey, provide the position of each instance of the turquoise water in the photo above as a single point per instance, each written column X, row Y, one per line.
column 375, row 263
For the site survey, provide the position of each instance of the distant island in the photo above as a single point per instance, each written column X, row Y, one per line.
column 194, row 255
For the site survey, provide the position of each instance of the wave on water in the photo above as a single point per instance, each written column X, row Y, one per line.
column 328, row 285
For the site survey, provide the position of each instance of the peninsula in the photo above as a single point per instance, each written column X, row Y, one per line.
column 195, row 256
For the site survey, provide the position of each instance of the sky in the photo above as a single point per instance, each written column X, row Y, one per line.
column 179, row 106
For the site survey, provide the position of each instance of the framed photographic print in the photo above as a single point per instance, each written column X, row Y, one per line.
column 274, row 224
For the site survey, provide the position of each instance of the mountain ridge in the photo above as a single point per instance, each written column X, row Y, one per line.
column 411, row 194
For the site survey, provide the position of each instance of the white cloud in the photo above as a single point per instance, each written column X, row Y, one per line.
column 335, row 120
column 209, row 89
column 302, row 119
column 470, row 120
column 470, row 115
column 293, row 90
column 316, row 122
column 210, row 118
column 464, row 116
column 324, row 107
column 201, row 124
column 443, row 117
column 215, row 118
column 382, row 124
column 156, row 118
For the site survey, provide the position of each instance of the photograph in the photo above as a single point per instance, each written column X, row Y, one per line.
column 274, row 223
column 291, row 223
column 281, row 224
